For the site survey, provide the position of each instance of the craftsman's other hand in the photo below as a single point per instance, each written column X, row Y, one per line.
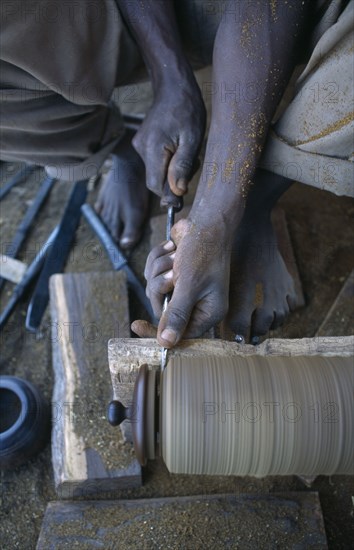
column 170, row 137
column 144, row 329
column 159, row 274
column 199, row 280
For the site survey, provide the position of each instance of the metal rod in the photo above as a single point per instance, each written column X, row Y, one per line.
column 21, row 232
column 169, row 225
column 31, row 272
column 117, row 257
column 16, row 179
column 56, row 259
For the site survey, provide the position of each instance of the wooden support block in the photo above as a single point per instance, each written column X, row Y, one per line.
column 11, row 269
column 278, row 520
column 126, row 356
column 89, row 456
column 281, row 230
column 340, row 317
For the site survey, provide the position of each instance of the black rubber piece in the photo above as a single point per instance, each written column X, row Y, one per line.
column 24, row 421
column 116, row 413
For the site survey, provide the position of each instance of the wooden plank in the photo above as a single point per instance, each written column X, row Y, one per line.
column 89, row 456
column 11, row 269
column 286, row 249
column 279, row 520
column 340, row 317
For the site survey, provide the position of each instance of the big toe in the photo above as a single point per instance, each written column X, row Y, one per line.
column 262, row 320
column 111, row 219
column 98, row 205
column 132, row 232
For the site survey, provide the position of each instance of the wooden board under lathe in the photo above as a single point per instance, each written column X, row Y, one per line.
column 89, row 456
column 278, row 520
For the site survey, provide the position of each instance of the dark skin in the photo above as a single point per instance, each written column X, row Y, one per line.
column 253, row 45
column 123, row 199
column 261, row 290
column 171, row 134
column 170, row 137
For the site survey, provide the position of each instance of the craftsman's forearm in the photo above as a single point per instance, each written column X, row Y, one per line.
column 153, row 24
column 253, row 60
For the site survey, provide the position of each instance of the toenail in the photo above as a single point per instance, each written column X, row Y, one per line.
column 255, row 340
column 169, row 335
column 126, row 242
column 239, row 339
column 169, row 246
column 168, row 275
column 182, row 185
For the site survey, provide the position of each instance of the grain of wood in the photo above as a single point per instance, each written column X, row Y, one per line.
column 282, row 520
column 11, row 269
column 89, row 456
column 340, row 317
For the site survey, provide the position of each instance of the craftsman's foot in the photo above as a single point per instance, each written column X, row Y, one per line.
column 123, row 200
column 262, row 291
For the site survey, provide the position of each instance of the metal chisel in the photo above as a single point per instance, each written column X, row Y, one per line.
column 174, row 204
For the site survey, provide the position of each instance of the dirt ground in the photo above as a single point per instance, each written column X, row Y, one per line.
column 322, row 232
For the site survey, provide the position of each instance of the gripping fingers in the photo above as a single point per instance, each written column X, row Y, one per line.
column 175, row 319
column 156, row 290
column 159, row 260
column 156, row 158
column 180, row 170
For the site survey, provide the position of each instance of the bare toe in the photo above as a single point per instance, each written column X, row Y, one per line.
column 261, row 288
column 123, row 199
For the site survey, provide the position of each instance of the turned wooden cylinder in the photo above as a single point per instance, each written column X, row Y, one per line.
column 252, row 416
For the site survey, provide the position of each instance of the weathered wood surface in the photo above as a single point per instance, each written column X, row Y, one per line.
column 279, row 520
column 11, row 269
column 89, row 456
column 340, row 317
column 286, row 249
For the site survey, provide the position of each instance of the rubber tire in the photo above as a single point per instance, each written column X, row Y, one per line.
column 25, row 421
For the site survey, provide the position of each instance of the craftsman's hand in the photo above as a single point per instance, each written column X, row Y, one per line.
column 198, row 273
column 170, row 137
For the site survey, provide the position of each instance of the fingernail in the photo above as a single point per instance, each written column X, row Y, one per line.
column 182, row 185
column 172, row 256
column 168, row 274
column 126, row 242
column 169, row 246
column 169, row 336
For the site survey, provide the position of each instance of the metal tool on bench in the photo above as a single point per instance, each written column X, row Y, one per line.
column 57, row 256
column 22, row 230
column 117, row 257
column 30, row 274
column 174, row 205
column 16, row 179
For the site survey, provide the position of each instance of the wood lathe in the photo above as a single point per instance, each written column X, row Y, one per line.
column 237, row 411
column 242, row 412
